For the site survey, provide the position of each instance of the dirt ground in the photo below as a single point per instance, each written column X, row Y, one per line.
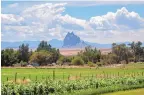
column 74, row 51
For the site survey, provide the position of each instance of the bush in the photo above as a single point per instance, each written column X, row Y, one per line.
column 99, row 64
column 59, row 62
column 16, row 65
column 91, row 64
column 77, row 61
column 23, row 64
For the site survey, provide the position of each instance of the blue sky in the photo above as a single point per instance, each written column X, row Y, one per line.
column 86, row 12
column 101, row 22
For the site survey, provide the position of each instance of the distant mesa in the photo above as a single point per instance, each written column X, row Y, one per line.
column 73, row 41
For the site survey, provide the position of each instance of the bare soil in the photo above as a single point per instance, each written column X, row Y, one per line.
column 74, row 51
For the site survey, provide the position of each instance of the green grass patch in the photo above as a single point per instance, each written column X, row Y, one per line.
column 64, row 73
column 129, row 92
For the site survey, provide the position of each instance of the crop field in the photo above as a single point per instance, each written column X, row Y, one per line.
column 72, row 73
column 72, row 81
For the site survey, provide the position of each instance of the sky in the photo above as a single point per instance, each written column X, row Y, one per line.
column 93, row 21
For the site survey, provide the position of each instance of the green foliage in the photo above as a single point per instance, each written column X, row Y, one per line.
column 77, row 61
column 24, row 52
column 100, row 64
column 90, row 54
column 121, row 52
column 137, row 51
column 64, row 59
column 61, row 87
column 109, row 59
column 44, row 46
column 9, row 57
column 42, row 57
column 91, row 64
column 23, row 64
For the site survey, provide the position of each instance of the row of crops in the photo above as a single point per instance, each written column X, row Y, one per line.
column 61, row 87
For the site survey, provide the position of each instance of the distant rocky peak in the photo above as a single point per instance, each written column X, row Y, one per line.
column 72, row 40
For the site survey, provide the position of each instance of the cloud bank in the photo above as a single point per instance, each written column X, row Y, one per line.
column 48, row 21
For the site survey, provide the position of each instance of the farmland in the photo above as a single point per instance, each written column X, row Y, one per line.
column 82, row 80
column 60, row 73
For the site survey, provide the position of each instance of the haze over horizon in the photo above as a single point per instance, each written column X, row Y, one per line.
column 97, row 22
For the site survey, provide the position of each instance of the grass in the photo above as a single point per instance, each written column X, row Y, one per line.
column 64, row 73
column 129, row 92
column 107, row 90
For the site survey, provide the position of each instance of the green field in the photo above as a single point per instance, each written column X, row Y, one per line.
column 73, row 81
column 64, row 73
column 130, row 92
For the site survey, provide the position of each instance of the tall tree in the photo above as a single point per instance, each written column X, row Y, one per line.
column 44, row 46
column 24, row 52
column 137, row 50
column 121, row 51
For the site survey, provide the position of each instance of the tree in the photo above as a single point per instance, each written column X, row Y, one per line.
column 110, row 58
column 55, row 54
column 137, row 50
column 9, row 57
column 44, row 46
column 89, row 54
column 24, row 52
column 47, row 47
column 41, row 57
column 121, row 52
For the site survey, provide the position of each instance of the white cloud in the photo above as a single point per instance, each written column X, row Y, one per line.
column 13, row 5
column 47, row 21
column 44, row 12
column 130, row 19
column 11, row 19
column 119, row 20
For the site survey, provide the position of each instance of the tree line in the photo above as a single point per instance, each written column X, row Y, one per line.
column 45, row 55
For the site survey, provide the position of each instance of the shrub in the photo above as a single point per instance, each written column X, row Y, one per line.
column 59, row 62
column 77, row 61
column 23, row 64
column 17, row 65
column 91, row 64
column 99, row 64
column 64, row 59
